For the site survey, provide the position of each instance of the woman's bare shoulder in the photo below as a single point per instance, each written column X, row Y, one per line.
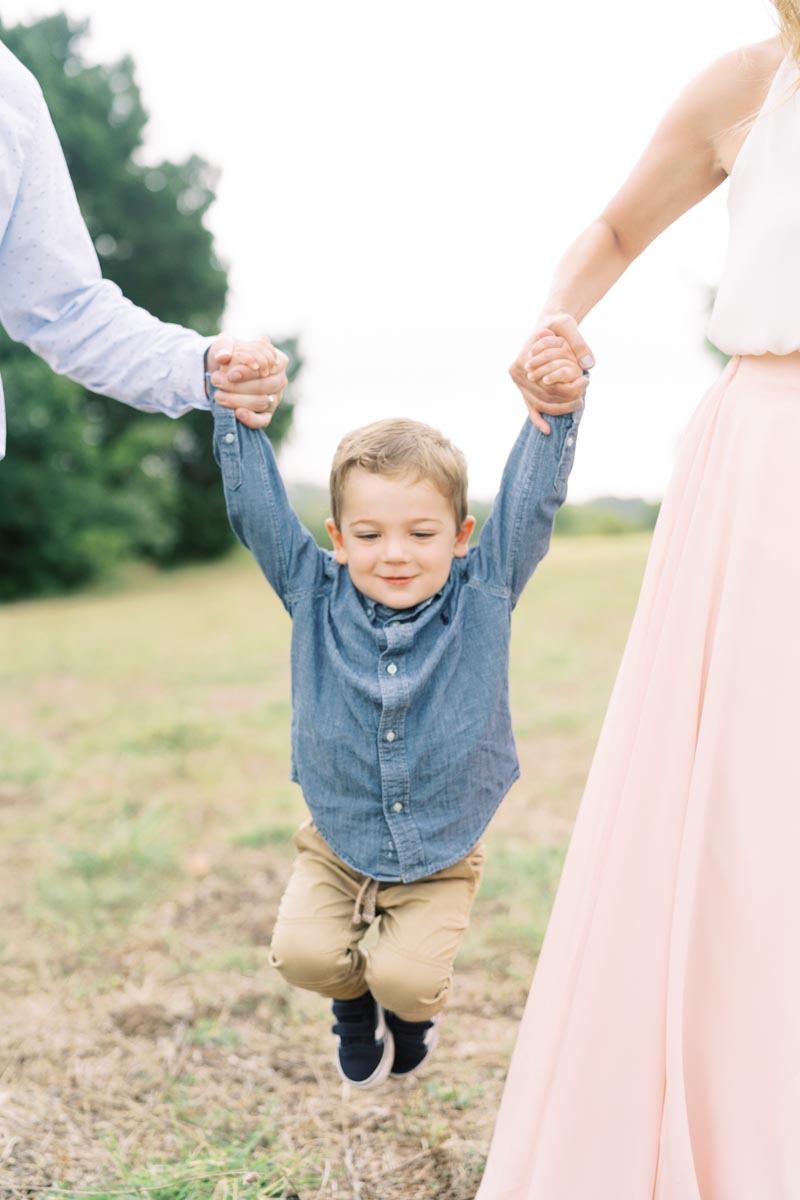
column 750, row 66
column 735, row 87
column 737, row 83
column 728, row 91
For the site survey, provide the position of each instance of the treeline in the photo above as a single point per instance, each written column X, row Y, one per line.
column 88, row 482
column 607, row 516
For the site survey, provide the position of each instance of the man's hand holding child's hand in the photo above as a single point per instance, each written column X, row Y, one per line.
column 250, row 377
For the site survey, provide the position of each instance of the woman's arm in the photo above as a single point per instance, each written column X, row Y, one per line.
column 690, row 154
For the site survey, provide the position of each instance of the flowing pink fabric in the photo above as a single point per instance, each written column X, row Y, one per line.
column 659, row 1054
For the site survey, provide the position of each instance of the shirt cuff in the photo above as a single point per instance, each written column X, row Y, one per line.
column 187, row 376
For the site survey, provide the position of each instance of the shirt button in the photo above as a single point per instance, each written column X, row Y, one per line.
column 392, row 668
column 397, row 807
column 230, row 437
column 391, row 735
column 570, row 440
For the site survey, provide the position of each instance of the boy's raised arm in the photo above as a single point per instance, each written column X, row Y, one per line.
column 259, row 510
column 517, row 533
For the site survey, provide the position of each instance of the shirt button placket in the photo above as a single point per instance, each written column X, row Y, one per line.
column 393, row 759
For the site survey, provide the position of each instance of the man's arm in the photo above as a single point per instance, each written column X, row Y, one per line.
column 52, row 295
column 54, row 299
column 517, row 534
column 259, row 510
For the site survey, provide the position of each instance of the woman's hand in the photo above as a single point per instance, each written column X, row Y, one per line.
column 250, row 377
column 550, row 370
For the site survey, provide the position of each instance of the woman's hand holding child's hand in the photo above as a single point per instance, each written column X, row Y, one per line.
column 550, row 374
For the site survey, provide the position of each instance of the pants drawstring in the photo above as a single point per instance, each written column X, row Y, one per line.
column 366, row 901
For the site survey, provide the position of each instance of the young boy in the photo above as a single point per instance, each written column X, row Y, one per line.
column 401, row 731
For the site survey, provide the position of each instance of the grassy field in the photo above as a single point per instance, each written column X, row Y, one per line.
column 145, row 1048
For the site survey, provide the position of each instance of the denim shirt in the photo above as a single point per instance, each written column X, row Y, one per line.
column 401, row 729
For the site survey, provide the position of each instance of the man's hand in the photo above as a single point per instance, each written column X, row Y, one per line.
column 550, row 369
column 250, row 377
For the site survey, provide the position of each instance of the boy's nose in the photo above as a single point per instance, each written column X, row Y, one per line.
column 395, row 550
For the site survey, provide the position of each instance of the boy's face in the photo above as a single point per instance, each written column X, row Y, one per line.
column 398, row 537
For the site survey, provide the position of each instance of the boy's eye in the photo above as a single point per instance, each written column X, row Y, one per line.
column 420, row 534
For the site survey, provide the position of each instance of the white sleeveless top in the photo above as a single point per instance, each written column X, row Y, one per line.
column 757, row 310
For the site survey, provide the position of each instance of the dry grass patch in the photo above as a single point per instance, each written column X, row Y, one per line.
column 145, row 1049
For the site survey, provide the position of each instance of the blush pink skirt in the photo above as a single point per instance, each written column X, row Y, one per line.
column 659, row 1054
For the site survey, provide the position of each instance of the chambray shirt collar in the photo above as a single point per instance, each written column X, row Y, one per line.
column 382, row 614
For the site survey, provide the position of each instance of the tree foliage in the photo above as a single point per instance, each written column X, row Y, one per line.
column 88, row 481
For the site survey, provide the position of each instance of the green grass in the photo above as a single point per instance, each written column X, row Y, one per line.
column 242, row 960
column 265, row 835
column 519, row 887
column 111, row 867
column 459, row 1097
column 145, row 837
column 236, row 1174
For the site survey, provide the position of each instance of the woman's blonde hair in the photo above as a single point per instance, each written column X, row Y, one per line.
column 399, row 447
column 789, row 23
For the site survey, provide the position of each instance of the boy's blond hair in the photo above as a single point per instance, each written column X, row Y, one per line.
column 398, row 447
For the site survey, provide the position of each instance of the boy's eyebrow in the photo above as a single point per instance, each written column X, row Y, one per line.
column 413, row 521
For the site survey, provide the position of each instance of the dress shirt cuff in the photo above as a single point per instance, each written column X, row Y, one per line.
column 187, row 373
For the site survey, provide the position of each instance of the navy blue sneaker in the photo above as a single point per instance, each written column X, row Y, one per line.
column 413, row 1043
column 366, row 1047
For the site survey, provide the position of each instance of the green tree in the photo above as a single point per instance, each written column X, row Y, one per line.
column 88, row 481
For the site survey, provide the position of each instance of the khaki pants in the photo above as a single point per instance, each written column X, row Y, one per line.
column 409, row 965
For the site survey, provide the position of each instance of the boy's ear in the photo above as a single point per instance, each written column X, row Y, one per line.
column 339, row 552
column 462, row 538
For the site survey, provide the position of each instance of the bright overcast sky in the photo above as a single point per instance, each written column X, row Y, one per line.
column 398, row 180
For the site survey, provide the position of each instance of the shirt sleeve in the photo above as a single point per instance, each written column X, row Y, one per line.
column 52, row 295
column 259, row 510
column 517, row 533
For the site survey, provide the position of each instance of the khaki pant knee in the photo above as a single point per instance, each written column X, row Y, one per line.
column 306, row 958
column 412, row 988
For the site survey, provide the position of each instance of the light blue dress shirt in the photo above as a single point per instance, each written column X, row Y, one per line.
column 52, row 295
column 401, row 729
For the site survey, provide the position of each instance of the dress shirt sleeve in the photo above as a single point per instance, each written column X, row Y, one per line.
column 52, row 295
column 259, row 510
column 517, row 533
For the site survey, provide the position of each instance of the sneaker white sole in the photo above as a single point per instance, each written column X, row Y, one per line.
column 431, row 1038
column 381, row 1072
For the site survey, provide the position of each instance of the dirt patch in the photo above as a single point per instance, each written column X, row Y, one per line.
column 179, row 1037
